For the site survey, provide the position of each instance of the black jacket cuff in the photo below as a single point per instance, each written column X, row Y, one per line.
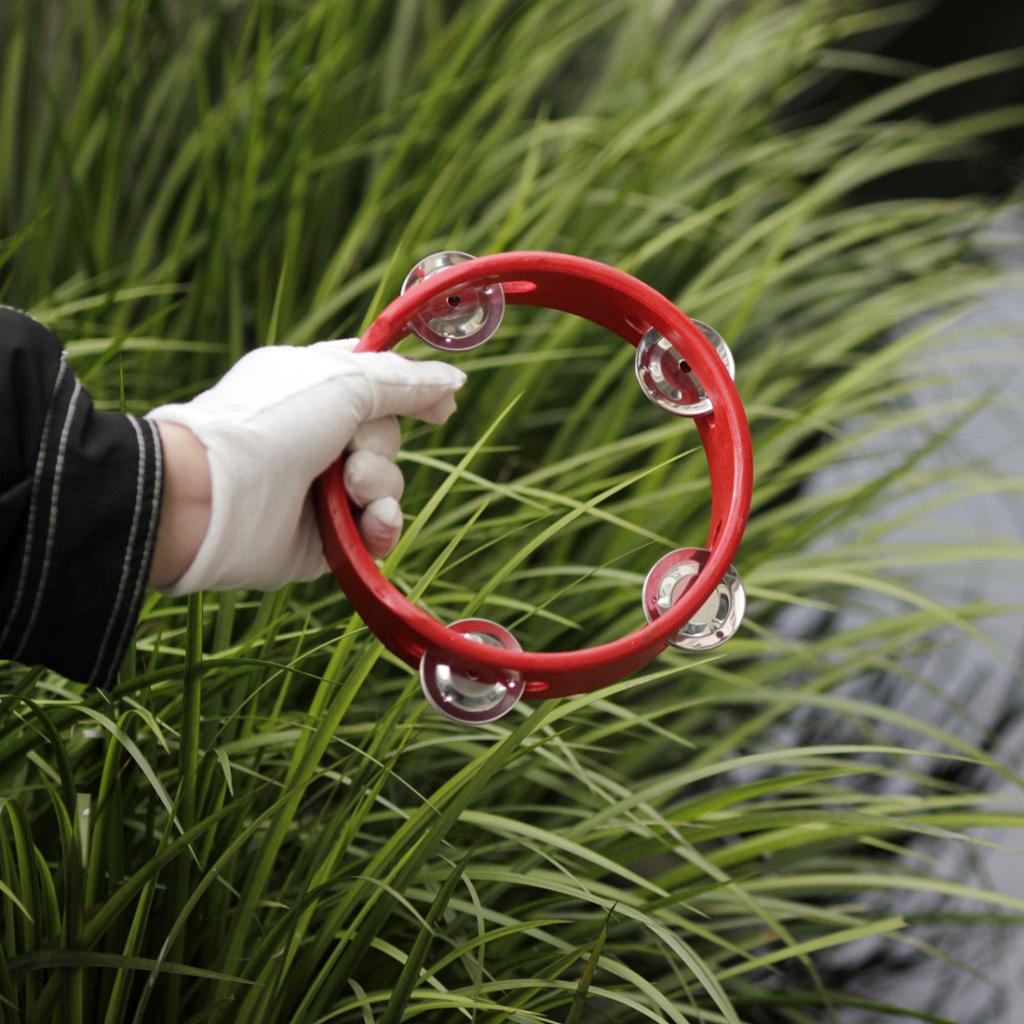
column 80, row 498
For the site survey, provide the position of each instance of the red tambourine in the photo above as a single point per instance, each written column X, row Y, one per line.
column 474, row 670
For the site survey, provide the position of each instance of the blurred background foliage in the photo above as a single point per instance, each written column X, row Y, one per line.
column 263, row 823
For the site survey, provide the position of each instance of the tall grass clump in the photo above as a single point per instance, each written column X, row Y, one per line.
column 262, row 823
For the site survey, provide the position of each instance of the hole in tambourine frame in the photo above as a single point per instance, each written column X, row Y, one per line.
column 571, row 426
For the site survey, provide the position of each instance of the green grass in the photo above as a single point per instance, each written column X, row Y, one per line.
column 264, row 822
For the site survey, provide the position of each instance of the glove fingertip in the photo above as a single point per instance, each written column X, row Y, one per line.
column 388, row 512
column 439, row 412
column 370, row 477
column 381, row 526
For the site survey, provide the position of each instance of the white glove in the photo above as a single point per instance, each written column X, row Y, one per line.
column 272, row 424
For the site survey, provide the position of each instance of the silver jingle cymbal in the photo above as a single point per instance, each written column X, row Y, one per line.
column 461, row 319
column 717, row 619
column 666, row 378
column 466, row 696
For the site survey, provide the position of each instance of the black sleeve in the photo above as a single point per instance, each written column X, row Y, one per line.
column 79, row 507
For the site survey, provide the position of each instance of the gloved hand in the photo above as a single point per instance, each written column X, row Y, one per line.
column 271, row 425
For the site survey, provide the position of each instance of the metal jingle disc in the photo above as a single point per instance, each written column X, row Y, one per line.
column 723, row 350
column 716, row 620
column 458, row 320
column 467, row 696
column 666, row 378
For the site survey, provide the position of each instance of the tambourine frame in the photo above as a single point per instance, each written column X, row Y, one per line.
column 628, row 308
